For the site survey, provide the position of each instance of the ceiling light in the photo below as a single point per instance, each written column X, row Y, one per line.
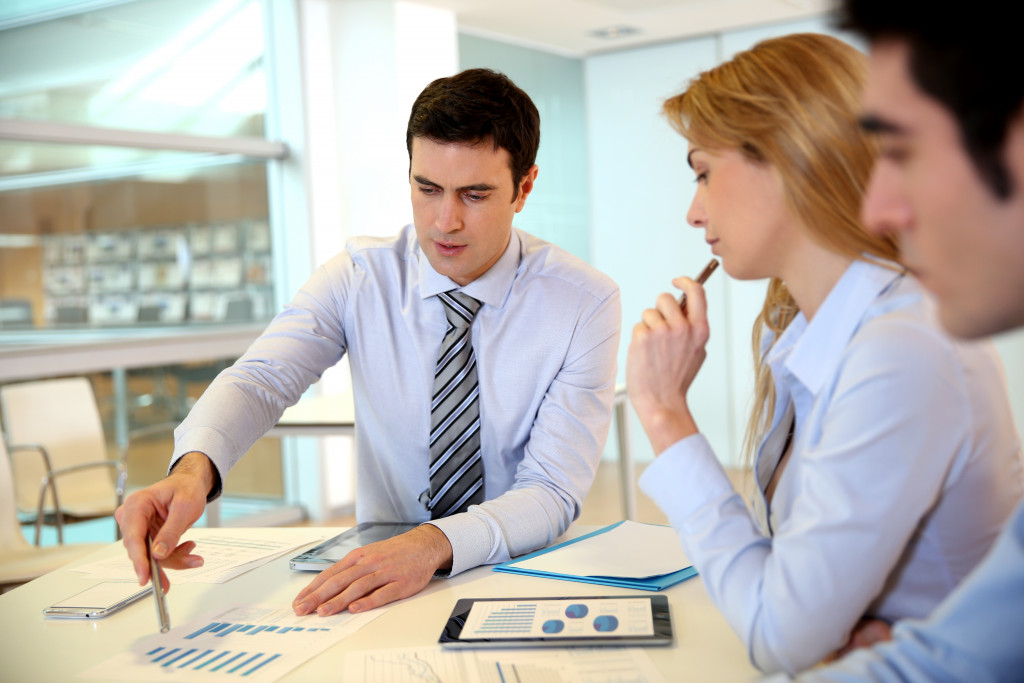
column 613, row 32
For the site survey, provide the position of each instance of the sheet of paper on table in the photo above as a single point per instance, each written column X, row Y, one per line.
column 569, row 665
column 260, row 643
column 226, row 553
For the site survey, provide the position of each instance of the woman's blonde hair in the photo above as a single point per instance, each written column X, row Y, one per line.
column 791, row 103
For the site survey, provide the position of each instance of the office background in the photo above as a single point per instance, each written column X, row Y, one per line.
column 187, row 163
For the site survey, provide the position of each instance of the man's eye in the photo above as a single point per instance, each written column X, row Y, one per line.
column 428, row 190
column 701, row 177
column 475, row 197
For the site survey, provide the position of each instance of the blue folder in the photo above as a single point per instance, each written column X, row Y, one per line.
column 650, row 583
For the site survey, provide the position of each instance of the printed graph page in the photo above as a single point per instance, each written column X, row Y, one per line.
column 226, row 554
column 257, row 643
column 436, row 665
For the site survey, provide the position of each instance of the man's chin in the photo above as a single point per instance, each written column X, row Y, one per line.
column 972, row 322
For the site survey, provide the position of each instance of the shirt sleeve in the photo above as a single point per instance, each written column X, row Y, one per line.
column 872, row 464
column 248, row 398
column 560, row 458
column 973, row 637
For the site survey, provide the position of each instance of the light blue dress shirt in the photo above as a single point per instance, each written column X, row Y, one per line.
column 546, row 340
column 905, row 464
column 975, row 636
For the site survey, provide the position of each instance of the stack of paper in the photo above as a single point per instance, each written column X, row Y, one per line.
column 626, row 554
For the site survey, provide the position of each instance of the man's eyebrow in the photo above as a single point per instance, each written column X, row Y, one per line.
column 478, row 187
column 872, row 123
column 423, row 181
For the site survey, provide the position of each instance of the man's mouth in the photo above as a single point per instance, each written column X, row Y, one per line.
column 449, row 248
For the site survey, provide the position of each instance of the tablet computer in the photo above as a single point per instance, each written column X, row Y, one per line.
column 321, row 557
column 558, row 622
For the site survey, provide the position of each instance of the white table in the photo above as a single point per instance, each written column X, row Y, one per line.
column 36, row 649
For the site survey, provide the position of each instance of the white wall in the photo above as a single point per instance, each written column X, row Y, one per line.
column 364, row 62
column 641, row 188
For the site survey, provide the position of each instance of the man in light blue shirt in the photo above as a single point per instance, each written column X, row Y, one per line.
column 945, row 97
column 545, row 338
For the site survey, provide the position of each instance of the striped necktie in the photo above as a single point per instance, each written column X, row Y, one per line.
column 456, row 469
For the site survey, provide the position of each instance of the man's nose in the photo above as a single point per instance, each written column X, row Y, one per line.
column 886, row 208
column 449, row 219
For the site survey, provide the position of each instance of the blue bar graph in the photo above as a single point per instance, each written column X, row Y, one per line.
column 512, row 619
column 221, row 629
column 240, row 663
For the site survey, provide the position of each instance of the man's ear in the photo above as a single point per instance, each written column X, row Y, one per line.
column 1013, row 149
column 526, row 187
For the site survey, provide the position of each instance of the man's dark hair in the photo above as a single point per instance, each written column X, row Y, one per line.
column 474, row 105
column 966, row 60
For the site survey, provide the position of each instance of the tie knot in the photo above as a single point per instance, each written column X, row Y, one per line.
column 459, row 307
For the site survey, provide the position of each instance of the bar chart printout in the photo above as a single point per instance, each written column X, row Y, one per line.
column 250, row 643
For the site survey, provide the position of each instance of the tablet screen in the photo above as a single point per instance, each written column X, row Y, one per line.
column 330, row 551
column 532, row 622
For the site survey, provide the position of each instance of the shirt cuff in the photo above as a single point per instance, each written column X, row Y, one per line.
column 205, row 440
column 470, row 539
column 684, row 477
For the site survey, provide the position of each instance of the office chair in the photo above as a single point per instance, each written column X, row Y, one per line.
column 19, row 561
column 59, row 420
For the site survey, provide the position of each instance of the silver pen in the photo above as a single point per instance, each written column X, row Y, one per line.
column 158, row 589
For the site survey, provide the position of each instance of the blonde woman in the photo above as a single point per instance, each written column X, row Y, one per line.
column 884, row 453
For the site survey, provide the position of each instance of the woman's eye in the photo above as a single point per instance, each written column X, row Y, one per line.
column 893, row 153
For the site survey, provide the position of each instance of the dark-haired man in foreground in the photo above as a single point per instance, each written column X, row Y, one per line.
column 482, row 358
column 950, row 183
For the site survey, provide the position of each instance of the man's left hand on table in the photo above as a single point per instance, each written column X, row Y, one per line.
column 377, row 574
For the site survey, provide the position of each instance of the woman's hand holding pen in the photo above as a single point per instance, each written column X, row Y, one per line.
column 665, row 354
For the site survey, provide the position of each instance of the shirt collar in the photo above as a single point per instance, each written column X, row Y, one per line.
column 812, row 351
column 492, row 288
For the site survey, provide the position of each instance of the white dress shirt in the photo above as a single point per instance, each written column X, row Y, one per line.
column 975, row 636
column 905, row 464
column 546, row 339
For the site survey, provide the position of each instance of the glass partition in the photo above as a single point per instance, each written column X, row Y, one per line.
column 171, row 247
column 191, row 66
column 133, row 166
column 136, row 241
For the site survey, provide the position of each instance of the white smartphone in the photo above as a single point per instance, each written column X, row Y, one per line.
column 97, row 602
